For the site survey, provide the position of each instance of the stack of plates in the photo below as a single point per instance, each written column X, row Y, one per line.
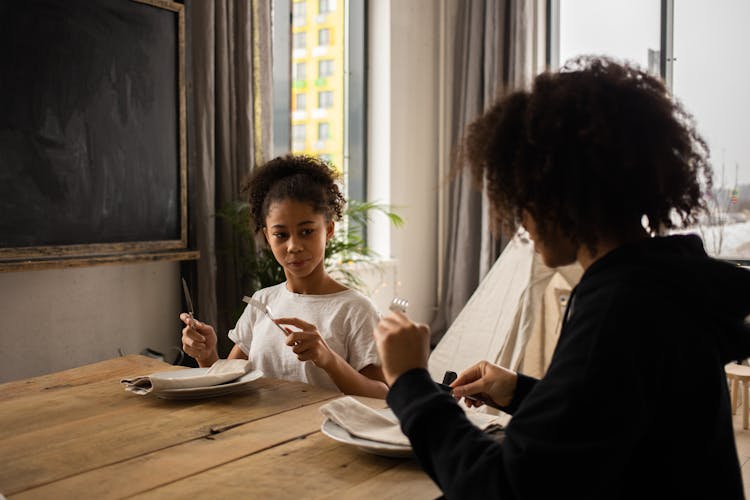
column 211, row 391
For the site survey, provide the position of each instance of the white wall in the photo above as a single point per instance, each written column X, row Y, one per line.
column 57, row 319
column 402, row 142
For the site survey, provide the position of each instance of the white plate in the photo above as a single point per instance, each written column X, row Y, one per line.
column 205, row 392
column 338, row 433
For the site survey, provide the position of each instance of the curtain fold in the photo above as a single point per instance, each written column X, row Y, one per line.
column 494, row 50
column 229, row 102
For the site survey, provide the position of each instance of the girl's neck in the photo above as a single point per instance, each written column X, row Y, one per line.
column 316, row 283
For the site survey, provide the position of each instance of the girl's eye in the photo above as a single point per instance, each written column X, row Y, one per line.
column 307, row 232
column 279, row 235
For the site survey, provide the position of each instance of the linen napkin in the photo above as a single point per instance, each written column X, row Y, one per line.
column 364, row 422
column 221, row 372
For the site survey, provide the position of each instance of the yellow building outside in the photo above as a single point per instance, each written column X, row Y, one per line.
column 318, row 79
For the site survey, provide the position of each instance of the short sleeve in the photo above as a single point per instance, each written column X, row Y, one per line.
column 242, row 333
column 361, row 343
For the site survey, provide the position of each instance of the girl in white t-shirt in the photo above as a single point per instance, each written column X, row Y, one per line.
column 295, row 202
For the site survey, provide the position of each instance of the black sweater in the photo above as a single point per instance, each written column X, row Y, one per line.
column 634, row 403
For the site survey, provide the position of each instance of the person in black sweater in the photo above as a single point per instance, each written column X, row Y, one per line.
column 596, row 162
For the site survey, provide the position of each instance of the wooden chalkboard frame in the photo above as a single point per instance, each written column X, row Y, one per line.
column 77, row 255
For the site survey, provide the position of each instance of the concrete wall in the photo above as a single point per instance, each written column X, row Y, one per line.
column 56, row 319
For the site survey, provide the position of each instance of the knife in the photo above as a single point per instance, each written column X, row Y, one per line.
column 188, row 302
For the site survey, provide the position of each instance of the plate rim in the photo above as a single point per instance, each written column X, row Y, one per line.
column 211, row 390
column 368, row 445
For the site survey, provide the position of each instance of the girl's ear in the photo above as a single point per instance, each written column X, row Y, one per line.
column 265, row 235
column 330, row 226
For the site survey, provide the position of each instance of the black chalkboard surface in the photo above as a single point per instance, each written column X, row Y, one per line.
column 92, row 131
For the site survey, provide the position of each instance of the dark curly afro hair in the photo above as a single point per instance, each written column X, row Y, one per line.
column 298, row 177
column 590, row 151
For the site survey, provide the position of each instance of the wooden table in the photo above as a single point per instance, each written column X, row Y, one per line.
column 79, row 434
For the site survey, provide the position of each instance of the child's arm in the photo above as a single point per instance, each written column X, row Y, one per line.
column 199, row 342
column 309, row 345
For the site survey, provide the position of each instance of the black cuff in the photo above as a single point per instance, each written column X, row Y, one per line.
column 524, row 385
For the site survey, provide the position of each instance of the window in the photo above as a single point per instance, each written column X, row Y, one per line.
column 325, row 68
column 625, row 29
column 299, row 13
column 299, row 40
column 300, row 102
column 697, row 47
column 299, row 71
column 326, row 6
column 325, row 99
column 299, row 133
column 324, row 37
column 337, row 101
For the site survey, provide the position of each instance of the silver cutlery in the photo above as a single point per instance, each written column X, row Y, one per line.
column 188, row 302
column 398, row 304
column 264, row 309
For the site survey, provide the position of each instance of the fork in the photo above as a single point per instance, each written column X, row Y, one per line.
column 265, row 309
column 398, row 304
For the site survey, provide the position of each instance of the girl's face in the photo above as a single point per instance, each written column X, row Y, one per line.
column 559, row 251
column 297, row 236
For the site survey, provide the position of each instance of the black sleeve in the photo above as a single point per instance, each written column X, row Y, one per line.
column 449, row 448
column 524, row 385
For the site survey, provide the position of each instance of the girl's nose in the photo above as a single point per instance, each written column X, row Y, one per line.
column 293, row 245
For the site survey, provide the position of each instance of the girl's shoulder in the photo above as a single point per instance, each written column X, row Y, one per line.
column 270, row 293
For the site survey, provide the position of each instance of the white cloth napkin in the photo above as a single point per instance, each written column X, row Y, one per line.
column 362, row 421
column 221, row 372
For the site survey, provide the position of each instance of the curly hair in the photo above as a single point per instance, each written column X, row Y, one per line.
column 588, row 151
column 298, row 177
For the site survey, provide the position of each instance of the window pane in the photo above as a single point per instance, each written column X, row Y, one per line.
column 710, row 75
column 325, row 68
column 326, row 6
column 299, row 13
column 300, row 102
column 623, row 29
column 324, row 37
column 299, row 40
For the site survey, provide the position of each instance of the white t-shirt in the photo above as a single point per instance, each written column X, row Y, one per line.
column 344, row 319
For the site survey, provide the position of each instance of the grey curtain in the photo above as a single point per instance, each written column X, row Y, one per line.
column 490, row 49
column 229, row 131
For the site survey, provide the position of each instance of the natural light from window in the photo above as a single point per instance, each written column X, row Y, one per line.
column 709, row 75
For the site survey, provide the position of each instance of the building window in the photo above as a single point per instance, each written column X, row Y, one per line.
column 324, row 37
column 325, row 99
column 326, row 6
column 324, row 131
column 299, row 40
column 325, row 68
column 299, row 133
column 299, row 13
column 299, row 71
column 300, row 102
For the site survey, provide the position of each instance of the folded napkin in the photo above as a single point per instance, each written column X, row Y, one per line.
column 382, row 426
column 221, row 372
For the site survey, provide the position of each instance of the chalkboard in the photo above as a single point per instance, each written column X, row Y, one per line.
column 92, row 127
